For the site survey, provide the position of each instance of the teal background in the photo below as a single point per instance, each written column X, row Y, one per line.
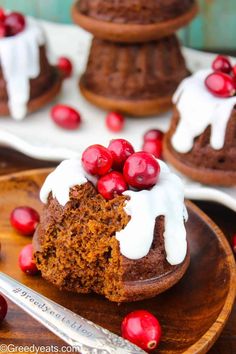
column 215, row 27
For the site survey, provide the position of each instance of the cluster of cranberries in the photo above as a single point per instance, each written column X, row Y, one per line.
column 222, row 82
column 119, row 167
column 11, row 24
column 25, row 220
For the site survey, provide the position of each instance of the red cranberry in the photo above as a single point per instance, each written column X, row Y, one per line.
column 220, row 84
column 65, row 66
column 26, row 260
column 2, row 15
column 143, row 329
column 115, row 122
column 234, row 70
column 2, row 30
column 15, row 23
column 141, row 170
column 222, row 64
column 3, row 308
column 112, row 184
column 153, row 134
column 121, row 149
column 24, row 220
column 66, row 117
column 97, row 160
column 234, row 243
column 153, row 147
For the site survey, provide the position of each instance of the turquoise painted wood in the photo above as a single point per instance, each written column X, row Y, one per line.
column 52, row 10
column 214, row 28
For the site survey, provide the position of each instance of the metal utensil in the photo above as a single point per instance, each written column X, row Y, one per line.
column 81, row 334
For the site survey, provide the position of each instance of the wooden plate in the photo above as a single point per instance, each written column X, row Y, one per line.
column 192, row 313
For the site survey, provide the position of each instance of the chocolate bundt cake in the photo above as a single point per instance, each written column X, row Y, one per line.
column 27, row 80
column 201, row 142
column 128, row 248
column 138, row 78
column 124, row 18
column 133, row 11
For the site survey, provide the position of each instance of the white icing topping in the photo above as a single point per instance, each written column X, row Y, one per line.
column 165, row 198
column 198, row 109
column 68, row 174
column 19, row 60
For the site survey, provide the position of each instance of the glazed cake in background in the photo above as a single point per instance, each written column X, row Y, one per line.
column 128, row 248
column 27, row 79
column 201, row 142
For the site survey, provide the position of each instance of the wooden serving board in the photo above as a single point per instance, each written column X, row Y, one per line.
column 192, row 313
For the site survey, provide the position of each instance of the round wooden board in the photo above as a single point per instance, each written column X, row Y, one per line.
column 192, row 313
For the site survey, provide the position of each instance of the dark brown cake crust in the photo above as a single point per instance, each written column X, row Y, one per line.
column 135, row 20
column 136, row 73
column 134, row 11
column 42, row 89
column 203, row 163
column 132, row 108
column 88, row 223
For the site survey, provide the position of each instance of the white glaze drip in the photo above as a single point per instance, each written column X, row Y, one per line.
column 198, row 109
column 19, row 60
column 165, row 198
column 68, row 174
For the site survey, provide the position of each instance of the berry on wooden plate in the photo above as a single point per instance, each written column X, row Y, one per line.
column 120, row 149
column 26, row 260
column 24, row 220
column 115, row 122
column 143, row 329
column 3, row 308
column 220, row 84
column 65, row 66
column 97, row 160
column 111, row 185
column 141, row 170
column 65, row 117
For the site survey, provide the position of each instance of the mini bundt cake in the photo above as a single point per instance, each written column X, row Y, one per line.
column 134, row 11
column 27, row 80
column 137, row 79
column 124, row 20
column 128, row 247
column 201, row 142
